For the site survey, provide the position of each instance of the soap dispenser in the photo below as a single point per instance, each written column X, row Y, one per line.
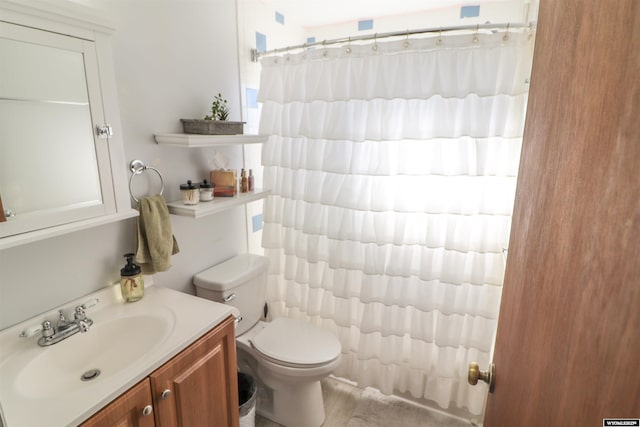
column 131, row 280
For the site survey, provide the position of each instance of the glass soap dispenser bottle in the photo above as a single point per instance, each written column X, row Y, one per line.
column 131, row 280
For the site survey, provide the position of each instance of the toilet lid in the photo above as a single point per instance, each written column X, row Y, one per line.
column 296, row 342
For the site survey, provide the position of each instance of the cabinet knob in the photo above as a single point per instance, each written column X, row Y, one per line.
column 165, row 394
column 147, row 410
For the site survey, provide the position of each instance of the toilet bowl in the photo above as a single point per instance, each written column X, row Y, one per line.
column 288, row 357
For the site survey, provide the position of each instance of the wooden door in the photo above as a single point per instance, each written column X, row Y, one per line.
column 126, row 411
column 202, row 383
column 568, row 341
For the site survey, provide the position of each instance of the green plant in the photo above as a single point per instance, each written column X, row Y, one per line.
column 219, row 109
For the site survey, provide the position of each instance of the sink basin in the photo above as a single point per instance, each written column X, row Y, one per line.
column 42, row 385
column 109, row 346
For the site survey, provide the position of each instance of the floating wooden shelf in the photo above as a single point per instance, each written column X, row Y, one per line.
column 218, row 204
column 193, row 140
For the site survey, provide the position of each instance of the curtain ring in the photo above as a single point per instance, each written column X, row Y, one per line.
column 288, row 57
column 349, row 45
column 439, row 40
column 406, row 43
column 506, row 34
column 375, row 42
column 324, row 46
column 475, row 36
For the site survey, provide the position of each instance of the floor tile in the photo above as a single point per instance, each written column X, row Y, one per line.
column 350, row 406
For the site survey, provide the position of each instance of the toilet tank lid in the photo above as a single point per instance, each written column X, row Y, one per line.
column 231, row 272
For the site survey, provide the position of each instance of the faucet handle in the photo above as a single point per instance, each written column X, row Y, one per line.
column 31, row 331
column 46, row 328
column 91, row 303
column 80, row 310
column 79, row 313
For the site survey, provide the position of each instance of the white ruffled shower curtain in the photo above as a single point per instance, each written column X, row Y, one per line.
column 393, row 171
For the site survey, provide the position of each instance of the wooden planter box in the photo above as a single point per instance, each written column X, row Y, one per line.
column 212, row 127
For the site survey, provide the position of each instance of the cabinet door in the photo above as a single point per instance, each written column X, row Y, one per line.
column 199, row 385
column 55, row 170
column 127, row 410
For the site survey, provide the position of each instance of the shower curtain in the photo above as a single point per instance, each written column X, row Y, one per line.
column 393, row 171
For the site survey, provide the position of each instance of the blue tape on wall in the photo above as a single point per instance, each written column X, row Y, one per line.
column 311, row 39
column 365, row 25
column 279, row 18
column 252, row 97
column 256, row 222
column 261, row 42
column 469, row 11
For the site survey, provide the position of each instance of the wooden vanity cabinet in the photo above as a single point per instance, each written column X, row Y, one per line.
column 201, row 383
column 198, row 387
column 127, row 410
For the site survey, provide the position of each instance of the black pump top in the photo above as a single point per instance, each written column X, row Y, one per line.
column 130, row 269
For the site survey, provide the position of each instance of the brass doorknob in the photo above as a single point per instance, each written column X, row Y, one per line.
column 488, row 376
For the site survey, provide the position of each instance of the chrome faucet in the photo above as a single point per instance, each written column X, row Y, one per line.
column 64, row 327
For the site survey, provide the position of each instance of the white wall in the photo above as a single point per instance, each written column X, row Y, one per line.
column 171, row 57
column 256, row 16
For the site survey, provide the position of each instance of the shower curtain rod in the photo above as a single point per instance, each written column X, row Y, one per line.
column 255, row 55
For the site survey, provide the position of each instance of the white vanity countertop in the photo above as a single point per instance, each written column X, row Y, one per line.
column 41, row 386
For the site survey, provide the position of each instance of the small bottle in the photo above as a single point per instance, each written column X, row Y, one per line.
column 244, row 182
column 206, row 191
column 250, row 179
column 131, row 281
column 190, row 193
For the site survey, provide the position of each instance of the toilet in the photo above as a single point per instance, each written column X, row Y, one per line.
column 288, row 357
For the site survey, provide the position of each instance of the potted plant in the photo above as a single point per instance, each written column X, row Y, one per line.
column 215, row 123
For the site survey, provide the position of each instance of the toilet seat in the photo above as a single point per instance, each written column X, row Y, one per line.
column 294, row 343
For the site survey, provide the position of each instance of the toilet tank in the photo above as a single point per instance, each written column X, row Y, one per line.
column 240, row 282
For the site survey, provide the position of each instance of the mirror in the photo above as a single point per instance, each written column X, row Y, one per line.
column 54, row 169
column 47, row 155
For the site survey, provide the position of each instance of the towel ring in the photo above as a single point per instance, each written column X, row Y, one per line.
column 137, row 167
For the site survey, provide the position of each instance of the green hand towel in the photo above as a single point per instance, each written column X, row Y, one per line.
column 156, row 242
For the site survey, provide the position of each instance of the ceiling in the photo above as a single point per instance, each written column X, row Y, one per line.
column 312, row 13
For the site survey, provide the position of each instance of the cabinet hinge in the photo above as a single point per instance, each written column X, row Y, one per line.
column 104, row 131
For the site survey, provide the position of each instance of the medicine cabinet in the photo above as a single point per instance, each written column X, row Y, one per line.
column 62, row 162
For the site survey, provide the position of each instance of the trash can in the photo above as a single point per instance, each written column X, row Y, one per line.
column 247, row 389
